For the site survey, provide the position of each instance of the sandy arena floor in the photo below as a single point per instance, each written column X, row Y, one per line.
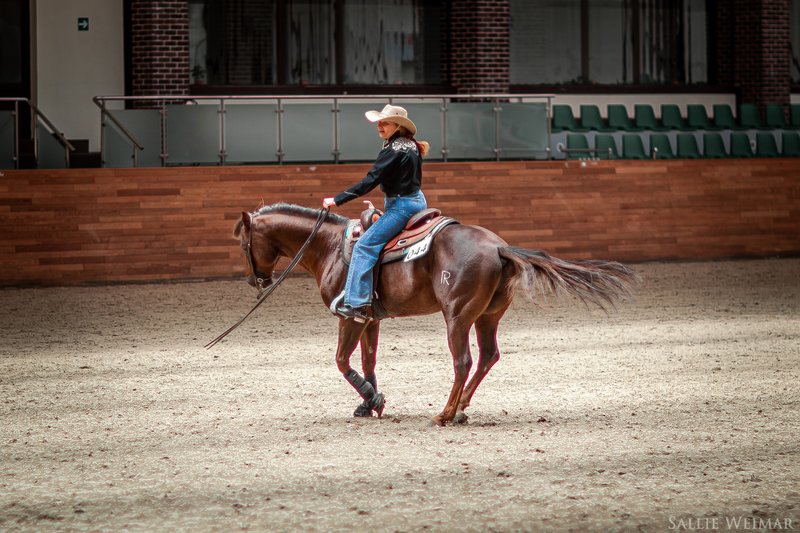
column 679, row 412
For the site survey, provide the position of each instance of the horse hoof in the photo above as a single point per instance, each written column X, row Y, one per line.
column 363, row 410
column 377, row 403
column 461, row 418
column 437, row 421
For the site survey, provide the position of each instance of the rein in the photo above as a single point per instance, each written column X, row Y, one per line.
column 259, row 282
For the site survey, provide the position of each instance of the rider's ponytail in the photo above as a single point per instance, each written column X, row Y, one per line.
column 422, row 146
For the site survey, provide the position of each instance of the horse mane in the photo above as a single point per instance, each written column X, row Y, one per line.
column 291, row 209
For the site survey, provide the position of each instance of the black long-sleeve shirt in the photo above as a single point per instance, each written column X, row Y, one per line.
column 398, row 170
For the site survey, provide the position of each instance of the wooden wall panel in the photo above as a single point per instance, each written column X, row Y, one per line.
column 121, row 225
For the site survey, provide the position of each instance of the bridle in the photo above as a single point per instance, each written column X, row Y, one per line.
column 263, row 294
column 260, row 279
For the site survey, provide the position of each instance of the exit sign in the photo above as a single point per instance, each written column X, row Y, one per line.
column 83, row 23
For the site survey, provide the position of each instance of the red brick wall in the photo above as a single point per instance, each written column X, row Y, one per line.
column 108, row 225
column 160, row 47
column 480, row 58
column 753, row 49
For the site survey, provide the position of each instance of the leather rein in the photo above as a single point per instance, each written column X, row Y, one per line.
column 263, row 293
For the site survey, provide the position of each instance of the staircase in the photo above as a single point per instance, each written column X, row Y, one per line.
column 81, row 157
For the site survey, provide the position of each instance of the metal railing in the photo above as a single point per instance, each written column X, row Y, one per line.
column 36, row 114
column 160, row 103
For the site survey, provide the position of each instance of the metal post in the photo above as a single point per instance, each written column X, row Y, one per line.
column 222, row 152
column 164, row 147
column 16, row 134
column 443, row 115
column 280, row 152
column 335, row 112
column 497, row 110
column 549, row 132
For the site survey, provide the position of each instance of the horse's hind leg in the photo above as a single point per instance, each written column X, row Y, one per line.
column 369, row 350
column 486, row 331
column 458, row 339
column 349, row 334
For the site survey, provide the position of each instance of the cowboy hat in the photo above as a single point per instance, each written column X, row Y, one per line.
column 392, row 113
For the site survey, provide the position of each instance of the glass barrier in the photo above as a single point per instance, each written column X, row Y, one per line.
column 192, row 134
column 470, row 130
column 52, row 154
column 523, row 131
column 307, row 132
column 145, row 126
column 358, row 137
column 251, row 133
column 7, row 139
column 427, row 118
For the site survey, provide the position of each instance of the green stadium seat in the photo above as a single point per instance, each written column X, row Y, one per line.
column 591, row 119
column 794, row 112
column 660, row 146
column 606, row 146
column 740, row 145
column 671, row 118
column 645, row 118
column 564, row 120
column 766, row 145
column 790, row 144
column 713, row 145
column 774, row 116
column 632, row 147
column 687, row 146
column 577, row 141
column 697, row 118
column 618, row 118
column 748, row 117
column 723, row 117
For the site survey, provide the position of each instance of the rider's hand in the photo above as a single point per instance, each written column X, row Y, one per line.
column 328, row 202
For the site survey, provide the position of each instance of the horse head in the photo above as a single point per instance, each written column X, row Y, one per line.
column 260, row 254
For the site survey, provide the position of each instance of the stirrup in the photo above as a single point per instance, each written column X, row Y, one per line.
column 358, row 314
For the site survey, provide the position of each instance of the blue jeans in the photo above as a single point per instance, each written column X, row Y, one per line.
column 398, row 210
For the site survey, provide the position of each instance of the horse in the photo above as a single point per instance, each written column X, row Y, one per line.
column 470, row 275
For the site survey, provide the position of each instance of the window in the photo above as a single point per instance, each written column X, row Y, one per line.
column 609, row 42
column 795, row 29
column 316, row 42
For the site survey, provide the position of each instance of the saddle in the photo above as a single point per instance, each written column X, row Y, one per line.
column 413, row 242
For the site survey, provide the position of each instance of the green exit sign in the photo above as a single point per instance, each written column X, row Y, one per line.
column 83, row 23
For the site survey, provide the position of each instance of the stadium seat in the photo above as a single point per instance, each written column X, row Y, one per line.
column 748, row 117
column 632, row 147
column 794, row 116
column 740, row 145
column 591, row 119
column 723, row 117
column 697, row 118
column 790, row 144
column 577, row 141
column 687, row 146
column 774, row 116
column 645, row 118
column 660, row 147
column 606, row 146
column 766, row 145
column 713, row 145
column 564, row 120
column 671, row 118
column 618, row 118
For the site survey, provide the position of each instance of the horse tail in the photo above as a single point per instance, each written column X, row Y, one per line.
column 601, row 283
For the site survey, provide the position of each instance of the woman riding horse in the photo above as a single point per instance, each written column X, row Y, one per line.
column 398, row 170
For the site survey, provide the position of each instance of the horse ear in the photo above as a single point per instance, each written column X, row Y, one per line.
column 246, row 220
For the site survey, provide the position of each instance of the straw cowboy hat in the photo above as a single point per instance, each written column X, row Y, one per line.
column 392, row 113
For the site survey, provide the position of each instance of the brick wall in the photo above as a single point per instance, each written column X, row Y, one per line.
column 109, row 225
column 160, row 47
column 479, row 53
column 753, row 49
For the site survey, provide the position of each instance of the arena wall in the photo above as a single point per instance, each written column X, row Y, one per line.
column 65, row 227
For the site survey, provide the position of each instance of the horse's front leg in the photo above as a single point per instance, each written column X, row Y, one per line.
column 369, row 351
column 350, row 332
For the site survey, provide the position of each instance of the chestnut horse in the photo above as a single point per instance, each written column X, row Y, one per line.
column 469, row 275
